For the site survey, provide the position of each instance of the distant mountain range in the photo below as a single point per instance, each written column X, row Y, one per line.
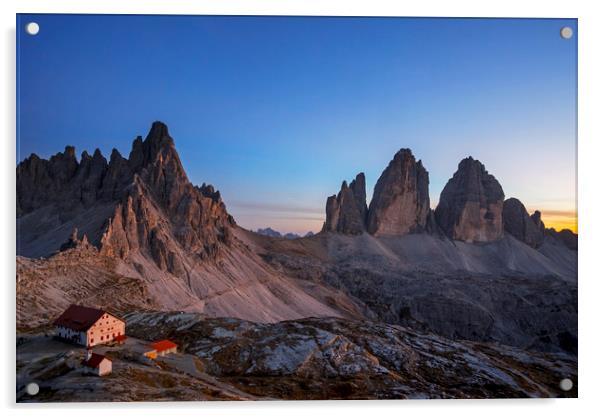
column 268, row 231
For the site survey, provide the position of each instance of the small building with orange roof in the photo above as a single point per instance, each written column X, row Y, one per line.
column 164, row 347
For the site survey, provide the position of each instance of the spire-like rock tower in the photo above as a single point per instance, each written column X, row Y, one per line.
column 160, row 190
column 519, row 224
column 400, row 204
column 346, row 212
column 471, row 203
column 143, row 204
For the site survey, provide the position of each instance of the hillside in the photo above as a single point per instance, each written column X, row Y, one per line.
column 134, row 233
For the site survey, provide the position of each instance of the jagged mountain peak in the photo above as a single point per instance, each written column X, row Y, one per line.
column 157, row 149
column 400, row 204
column 144, row 203
column 69, row 153
column 115, row 155
column 471, row 203
column 346, row 211
column 519, row 224
column 403, row 153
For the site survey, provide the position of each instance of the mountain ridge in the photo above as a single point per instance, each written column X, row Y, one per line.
column 170, row 245
column 144, row 215
column 472, row 206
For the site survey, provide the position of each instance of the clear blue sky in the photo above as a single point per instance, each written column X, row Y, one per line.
column 277, row 111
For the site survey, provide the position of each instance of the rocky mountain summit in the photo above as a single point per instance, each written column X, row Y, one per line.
column 346, row 212
column 140, row 193
column 470, row 206
column 147, row 222
column 517, row 222
column 400, row 204
column 474, row 299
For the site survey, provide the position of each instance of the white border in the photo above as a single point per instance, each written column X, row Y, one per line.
column 590, row 204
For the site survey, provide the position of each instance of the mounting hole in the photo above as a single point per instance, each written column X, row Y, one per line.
column 566, row 384
column 566, row 32
column 32, row 28
column 32, row 388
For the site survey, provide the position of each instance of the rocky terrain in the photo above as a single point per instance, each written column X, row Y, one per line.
column 45, row 288
column 143, row 221
column 500, row 292
column 479, row 267
column 302, row 359
column 477, row 274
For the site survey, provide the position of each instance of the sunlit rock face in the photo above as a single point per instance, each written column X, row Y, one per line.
column 400, row 204
column 471, row 204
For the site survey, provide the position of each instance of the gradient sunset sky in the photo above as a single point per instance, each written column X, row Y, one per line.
column 276, row 112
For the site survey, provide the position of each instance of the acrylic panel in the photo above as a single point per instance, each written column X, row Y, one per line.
column 296, row 208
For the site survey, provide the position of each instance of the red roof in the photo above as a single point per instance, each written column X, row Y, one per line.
column 162, row 345
column 120, row 338
column 94, row 361
column 79, row 318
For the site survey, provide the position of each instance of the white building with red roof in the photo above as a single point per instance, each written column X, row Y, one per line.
column 97, row 364
column 89, row 326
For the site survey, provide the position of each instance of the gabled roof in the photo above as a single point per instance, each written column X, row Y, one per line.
column 79, row 318
column 162, row 345
column 94, row 361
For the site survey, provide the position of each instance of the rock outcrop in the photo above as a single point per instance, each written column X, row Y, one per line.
column 471, row 204
column 155, row 209
column 567, row 237
column 539, row 224
column 161, row 204
column 519, row 224
column 41, row 181
column 74, row 242
column 309, row 359
column 531, row 229
column 400, row 204
column 346, row 212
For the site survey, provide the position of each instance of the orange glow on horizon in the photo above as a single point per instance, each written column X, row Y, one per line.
column 557, row 216
column 559, row 224
column 559, row 220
